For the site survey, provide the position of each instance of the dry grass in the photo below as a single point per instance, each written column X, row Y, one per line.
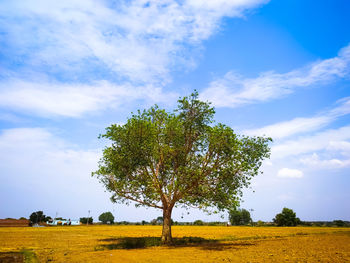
column 202, row 244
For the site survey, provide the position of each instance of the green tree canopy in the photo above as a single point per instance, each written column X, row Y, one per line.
column 106, row 218
column 86, row 220
column 198, row 222
column 339, row 223
column 38, row 217
column 286, row 218
column 239, row 217
column 161, row 160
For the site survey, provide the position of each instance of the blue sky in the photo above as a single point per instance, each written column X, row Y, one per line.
column 68, row 69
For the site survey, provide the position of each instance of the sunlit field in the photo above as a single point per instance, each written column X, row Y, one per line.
column 192, row 244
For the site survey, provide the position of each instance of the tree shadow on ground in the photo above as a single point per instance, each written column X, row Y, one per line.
column 23, row 255
column 145, row 242
column 11, row 257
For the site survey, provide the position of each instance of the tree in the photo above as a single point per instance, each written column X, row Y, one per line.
column 198, row 222
column 38, row 217
column 239, row 217
column 162, row 160
column 286, row 218
column 157, row 221
column 106, row 218
column 339, row 223
column 85, row 220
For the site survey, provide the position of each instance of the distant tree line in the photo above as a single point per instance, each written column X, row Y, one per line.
column 237, row 216
column 40, row 218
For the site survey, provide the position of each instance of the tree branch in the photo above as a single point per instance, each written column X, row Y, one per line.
column 139, row 201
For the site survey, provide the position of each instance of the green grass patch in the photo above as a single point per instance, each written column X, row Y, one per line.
column 29, row 256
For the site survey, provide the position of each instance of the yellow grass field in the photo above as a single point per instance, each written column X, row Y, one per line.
column 218, row 244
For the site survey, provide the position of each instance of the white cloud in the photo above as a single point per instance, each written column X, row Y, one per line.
column 327, row 149
column 311, row 143
column 25, row 138
column 47, row 171
column 32, row 152
column 133, row 44
column 141, row 41
column 341, row 110
column 289, row 173
column 73, row 100
column 342, row 147
column 234, row 90
column 288, row 128
column 315, row 162
column 301, row 125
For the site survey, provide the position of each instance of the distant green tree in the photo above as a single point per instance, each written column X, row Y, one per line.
column 85, row 220
column 106, row 218
column 198, row 223
column 339, row 223
column 260, row 223
column 38, row 217
column 286, row 218
column 22, row 218
column 157, row 221
column 239, row 217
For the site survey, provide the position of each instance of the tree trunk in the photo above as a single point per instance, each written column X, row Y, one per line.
column 166, row 233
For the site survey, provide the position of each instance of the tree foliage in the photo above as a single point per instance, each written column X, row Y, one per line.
column 86, row 220
column 239, row 217
column 198, row 222
column 106, row 218
column 286, row 218
column 38, row 217
column 339, row 223
column 161, row 159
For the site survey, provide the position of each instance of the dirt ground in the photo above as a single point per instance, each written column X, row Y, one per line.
column 217, row 244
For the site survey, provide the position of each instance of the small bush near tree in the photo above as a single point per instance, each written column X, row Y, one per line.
column 239, row 217
column 286, row 218
column 106, row 218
